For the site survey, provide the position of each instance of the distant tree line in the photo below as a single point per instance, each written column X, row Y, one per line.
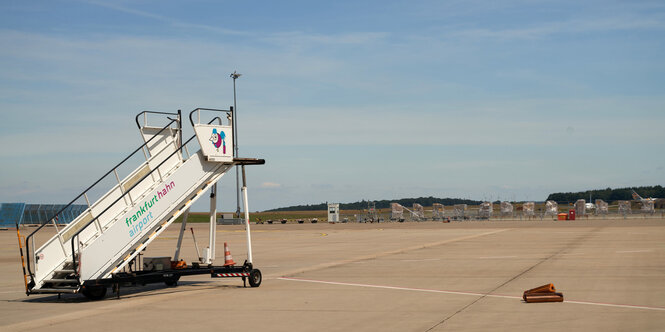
column 609, row 194
column 383, row 204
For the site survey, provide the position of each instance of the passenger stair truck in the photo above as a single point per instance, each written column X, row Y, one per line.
column 99, row 248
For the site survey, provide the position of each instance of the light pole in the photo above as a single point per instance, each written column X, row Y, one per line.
column 234, row 76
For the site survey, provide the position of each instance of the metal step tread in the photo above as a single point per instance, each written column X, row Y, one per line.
column 61, row 281
column 55, row 290
column 64, row 271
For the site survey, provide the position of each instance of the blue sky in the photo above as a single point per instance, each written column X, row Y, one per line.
column 346, row 100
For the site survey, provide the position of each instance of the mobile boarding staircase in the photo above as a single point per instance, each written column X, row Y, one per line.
column 99, row 248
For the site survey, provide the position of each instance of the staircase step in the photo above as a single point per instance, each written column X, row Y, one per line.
column 54, row 290
column 61, row 281
column 64, row 271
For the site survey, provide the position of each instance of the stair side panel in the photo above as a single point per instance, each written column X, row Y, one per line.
column 140, row 223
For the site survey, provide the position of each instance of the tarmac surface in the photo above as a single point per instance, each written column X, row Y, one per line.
column 428, row 276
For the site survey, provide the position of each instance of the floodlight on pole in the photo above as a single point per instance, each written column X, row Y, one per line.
column 234, row 75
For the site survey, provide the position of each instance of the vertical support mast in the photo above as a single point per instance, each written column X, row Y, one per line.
column 246, row 206
column 183, row 227
column 235, row 76
column 213, row 222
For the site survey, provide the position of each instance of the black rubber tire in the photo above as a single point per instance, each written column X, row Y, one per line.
column 283, row 221
column 255, row 278
column 172, row 281
column 94, row 292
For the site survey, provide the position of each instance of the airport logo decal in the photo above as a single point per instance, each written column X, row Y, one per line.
column 218, row 139
column 135, row 222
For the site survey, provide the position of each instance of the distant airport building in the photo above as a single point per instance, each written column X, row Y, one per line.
column 36, row 214
column 333, row 212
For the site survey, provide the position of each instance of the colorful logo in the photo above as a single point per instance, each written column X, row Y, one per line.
column 218, row 139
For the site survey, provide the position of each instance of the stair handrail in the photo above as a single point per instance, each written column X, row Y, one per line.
column 228, row 112
column 75, row 235
column 153, row 112
column 145, row 120
column 28, row 238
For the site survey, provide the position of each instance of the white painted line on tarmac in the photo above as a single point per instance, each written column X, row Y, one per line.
column 396, row 287
column 496, row 257
column 614, row 305
column 631, row 306
column 633, row 251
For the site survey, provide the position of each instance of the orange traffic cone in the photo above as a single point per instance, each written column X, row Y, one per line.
column 548, row 288
column 228, row 260
column 544, row 293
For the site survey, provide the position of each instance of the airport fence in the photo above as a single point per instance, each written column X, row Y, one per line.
column 37, row 214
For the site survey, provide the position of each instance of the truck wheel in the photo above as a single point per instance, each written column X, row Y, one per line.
column 172, row 281
column 94, row 292
column 255, row 278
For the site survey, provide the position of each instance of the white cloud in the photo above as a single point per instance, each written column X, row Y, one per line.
column 168, row 20
column 572, row 26
column 270, row 185
column 298, row 38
